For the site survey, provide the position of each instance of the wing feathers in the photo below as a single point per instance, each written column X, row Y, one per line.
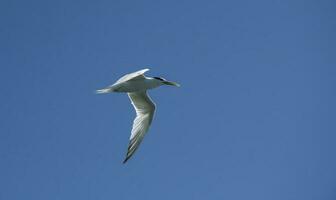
column 144, row 108
column 133, row 75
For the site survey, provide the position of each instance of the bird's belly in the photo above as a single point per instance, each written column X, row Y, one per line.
column 132, row 86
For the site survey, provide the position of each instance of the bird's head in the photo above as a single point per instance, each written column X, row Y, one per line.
column 165, row 82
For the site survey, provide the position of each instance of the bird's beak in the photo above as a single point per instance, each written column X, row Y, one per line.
column 171, row 83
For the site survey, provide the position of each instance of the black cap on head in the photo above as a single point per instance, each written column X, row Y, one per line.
column 159, row 78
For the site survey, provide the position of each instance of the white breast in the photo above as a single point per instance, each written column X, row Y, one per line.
column 136, row 85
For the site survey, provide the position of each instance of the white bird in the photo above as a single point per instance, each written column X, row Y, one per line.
column 136, row 85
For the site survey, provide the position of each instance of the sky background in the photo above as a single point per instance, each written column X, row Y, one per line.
column 254, row 118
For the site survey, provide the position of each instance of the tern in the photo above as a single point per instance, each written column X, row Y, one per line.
column 136, row 85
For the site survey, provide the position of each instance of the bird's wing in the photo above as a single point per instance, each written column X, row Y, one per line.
column 144, row 108
column 137, row 74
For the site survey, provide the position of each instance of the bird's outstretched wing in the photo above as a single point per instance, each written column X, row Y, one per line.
column 133, row 75
column 144, row 108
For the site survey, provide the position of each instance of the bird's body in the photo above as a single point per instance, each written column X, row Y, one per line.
column 136, row 85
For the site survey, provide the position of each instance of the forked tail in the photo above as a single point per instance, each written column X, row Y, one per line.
column 103, row 91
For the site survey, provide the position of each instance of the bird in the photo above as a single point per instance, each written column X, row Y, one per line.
column 136, row 85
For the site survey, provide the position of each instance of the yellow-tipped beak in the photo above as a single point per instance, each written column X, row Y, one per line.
column 171, row 83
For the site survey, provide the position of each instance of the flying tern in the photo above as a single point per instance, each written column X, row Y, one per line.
column 136, row 85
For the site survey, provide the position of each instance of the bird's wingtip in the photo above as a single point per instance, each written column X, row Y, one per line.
column 126, row 159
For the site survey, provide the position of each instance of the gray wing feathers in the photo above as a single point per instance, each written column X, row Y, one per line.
column 145, row 109
column 133, row 75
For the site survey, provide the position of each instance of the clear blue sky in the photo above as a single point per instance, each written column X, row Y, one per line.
column 254, row 118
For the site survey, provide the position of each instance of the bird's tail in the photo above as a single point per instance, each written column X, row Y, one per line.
column 103, row 91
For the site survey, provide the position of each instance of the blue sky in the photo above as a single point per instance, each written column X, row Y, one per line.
column 254, row 118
